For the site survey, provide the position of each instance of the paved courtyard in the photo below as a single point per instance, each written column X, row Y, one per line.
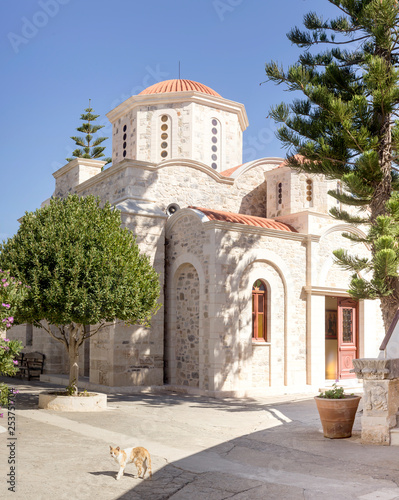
column 202, row 449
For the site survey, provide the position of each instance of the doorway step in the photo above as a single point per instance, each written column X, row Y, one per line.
column 394, row 433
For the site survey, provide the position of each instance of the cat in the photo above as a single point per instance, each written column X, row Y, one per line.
column 139, row 456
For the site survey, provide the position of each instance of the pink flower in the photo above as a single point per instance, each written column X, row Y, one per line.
column 1, row 415
column 6, row 340
column 11, row 319
column 4, row 280
column 7, row 306
column 5, row 284
column 15, row 363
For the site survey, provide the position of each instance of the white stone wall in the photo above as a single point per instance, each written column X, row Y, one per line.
column 182, row 184
column 133, row 355
column 189, row 134
column 74, row 173
column 295, row 193
column 230, row 261
column 130, row 121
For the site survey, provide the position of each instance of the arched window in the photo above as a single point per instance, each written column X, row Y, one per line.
column 259, row 311
column 124, row 141
column 164, row 136
column 215, row 146
column 279, row 195
column 309, row 192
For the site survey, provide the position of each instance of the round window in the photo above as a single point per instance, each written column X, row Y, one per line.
column 214, row 157
column 214, row 140
column 124, row 154
column 164, row 118
column 214, row 165
column 164, row 145
column 164, row 154
column 214, row 131
column 124, row 128
column 214, row 149
column 124, row 137
column 214, row 122
column 164, row 127
column 124, row 145
column 164, row 136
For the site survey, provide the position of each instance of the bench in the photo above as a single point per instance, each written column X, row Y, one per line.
column 30, row 364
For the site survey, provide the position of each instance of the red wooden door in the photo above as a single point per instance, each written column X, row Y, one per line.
column 347, row 337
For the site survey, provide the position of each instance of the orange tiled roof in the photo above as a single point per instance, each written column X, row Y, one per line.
column 285, row 163
column 249, row 220
column 229, row 171
column 178, row 86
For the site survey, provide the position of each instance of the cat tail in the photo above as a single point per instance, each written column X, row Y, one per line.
column 149, row 466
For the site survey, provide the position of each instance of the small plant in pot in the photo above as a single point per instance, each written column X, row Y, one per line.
column 337, row 412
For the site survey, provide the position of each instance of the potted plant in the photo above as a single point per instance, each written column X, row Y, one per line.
column 337, row 412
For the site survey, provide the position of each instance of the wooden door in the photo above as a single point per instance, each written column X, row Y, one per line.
column 347, row 337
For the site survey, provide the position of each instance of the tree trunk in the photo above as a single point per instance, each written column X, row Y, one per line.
column 73, row 352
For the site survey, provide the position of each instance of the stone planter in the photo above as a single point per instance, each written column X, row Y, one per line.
column 88, row 402
column 337, row 415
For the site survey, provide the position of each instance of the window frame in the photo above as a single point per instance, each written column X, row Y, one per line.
column 255, row 294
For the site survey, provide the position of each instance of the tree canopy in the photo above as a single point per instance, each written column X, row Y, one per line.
column 82, row 269
column 346, row 127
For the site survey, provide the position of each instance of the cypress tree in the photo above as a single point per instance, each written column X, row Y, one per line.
column 89, row 148
column 345, row 126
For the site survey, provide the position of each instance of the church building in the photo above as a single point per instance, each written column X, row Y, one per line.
column 252, row 302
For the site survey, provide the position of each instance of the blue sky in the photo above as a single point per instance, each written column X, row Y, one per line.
column 56, row 54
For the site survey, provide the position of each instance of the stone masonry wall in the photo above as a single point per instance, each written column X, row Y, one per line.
column 187, row 326
column 184, row 185
column 188, row 238
column 226, row 306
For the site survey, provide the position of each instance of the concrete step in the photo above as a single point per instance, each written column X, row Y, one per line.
column 394, row 436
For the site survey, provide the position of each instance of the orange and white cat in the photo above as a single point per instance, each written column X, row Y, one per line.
column 139, row 456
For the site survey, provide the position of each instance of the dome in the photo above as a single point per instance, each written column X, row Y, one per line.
column 178, row 86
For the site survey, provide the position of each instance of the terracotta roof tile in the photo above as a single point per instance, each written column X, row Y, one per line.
column 178, row 86
column 229, row 171
column 249, row 220
column 285, row 163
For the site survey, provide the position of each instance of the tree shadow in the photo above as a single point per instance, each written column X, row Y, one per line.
column 289, row 460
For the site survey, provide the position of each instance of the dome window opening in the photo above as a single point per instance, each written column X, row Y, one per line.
column 309, row 192
column 279, row 195
column 215, row 132
column 164, row 144
column 124, row 146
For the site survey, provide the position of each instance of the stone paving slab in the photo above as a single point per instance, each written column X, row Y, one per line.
column 201, row 449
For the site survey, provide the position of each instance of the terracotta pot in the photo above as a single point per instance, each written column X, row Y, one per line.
column 337, row 415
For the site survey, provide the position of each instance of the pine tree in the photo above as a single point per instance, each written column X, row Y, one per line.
column 345, row 126
column 90, row 148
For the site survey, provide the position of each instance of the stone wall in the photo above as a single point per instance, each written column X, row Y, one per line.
column 229, row 261
column 187, row 326
column 183, row 184
column 189, row 134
